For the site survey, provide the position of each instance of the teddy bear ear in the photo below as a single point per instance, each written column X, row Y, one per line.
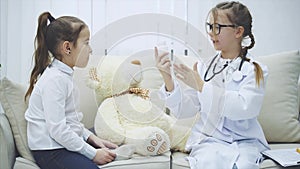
column 136, row 62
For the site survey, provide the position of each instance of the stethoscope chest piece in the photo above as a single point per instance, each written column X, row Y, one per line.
column 237, row 76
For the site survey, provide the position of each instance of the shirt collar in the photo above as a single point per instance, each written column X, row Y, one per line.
column 62, row 67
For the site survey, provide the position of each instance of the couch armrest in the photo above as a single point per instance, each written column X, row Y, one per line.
column 7, row 144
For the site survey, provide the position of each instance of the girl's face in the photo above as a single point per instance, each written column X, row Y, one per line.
column 226, row 39
column 82, row 50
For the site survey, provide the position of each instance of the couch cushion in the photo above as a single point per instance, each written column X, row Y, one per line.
column 299, row 95
column 279, row 116
column 22, row 163
column 7, row 144
column 179, row 162
column 138, row 162
column 14, row 106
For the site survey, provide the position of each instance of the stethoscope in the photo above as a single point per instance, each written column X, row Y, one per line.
column 236, row 76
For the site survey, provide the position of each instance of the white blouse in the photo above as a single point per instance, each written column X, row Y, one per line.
column 52, row 114
column 228, row 107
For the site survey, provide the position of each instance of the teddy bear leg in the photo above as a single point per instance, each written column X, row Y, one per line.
column 149, row 140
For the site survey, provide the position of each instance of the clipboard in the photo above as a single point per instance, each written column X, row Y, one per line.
column 285, row 157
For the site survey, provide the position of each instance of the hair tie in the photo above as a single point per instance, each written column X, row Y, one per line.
column 51, row 18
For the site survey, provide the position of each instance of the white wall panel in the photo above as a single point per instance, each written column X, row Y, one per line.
column 275, row 24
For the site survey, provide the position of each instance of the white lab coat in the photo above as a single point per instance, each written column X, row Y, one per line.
column 227, row 132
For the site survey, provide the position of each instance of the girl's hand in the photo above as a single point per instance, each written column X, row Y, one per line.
column 104, row 156
column 188, row 76
column 163, row 64
column 100, row 143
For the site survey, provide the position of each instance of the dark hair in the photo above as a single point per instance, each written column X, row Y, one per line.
column 47, row 39
column 238, row 14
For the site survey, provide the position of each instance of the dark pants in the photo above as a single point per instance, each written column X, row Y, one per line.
column 62, row 159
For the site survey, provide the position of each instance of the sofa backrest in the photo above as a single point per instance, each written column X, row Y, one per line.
column 279, row 116
column 299, row 96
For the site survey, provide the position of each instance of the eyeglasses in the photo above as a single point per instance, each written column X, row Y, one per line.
column 215, row 28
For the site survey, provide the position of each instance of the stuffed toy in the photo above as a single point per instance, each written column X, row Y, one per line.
column 130, row 110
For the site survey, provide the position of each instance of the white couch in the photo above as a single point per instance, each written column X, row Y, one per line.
column 279, row 117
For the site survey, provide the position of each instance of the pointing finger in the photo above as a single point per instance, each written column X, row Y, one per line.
column 159, row 57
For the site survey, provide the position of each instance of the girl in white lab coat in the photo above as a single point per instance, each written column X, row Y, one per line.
column 227, row 91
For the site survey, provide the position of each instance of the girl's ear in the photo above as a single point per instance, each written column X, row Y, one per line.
column 239, row 32
column 66, row 47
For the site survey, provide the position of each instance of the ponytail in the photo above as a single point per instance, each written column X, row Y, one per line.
column 41, row 54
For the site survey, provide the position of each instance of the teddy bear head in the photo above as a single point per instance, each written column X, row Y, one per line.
column 114, row 75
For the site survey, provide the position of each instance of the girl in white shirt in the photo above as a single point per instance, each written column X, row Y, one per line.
column 56, row 136
column 227, row 91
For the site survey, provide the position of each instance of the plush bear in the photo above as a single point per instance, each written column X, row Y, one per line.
column 130, row 109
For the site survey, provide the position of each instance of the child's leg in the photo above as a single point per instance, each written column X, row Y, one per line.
column 62, row 159
column 212, row 155
column 249, row 157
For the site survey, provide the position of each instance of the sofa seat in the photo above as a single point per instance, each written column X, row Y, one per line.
column 137, row 162
column 24, row 163
column 179, row 162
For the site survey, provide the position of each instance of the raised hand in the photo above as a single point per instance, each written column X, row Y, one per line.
column 163, row 64
column 188, row 76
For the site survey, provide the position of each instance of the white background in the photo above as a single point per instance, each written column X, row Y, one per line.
column 276, row 23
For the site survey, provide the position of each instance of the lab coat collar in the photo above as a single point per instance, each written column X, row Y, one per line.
column 235, row 63
column 231, row 62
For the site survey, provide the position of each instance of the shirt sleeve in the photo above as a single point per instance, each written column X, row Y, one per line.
column 182, row 104
column 86, row 134
column 54, row 100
